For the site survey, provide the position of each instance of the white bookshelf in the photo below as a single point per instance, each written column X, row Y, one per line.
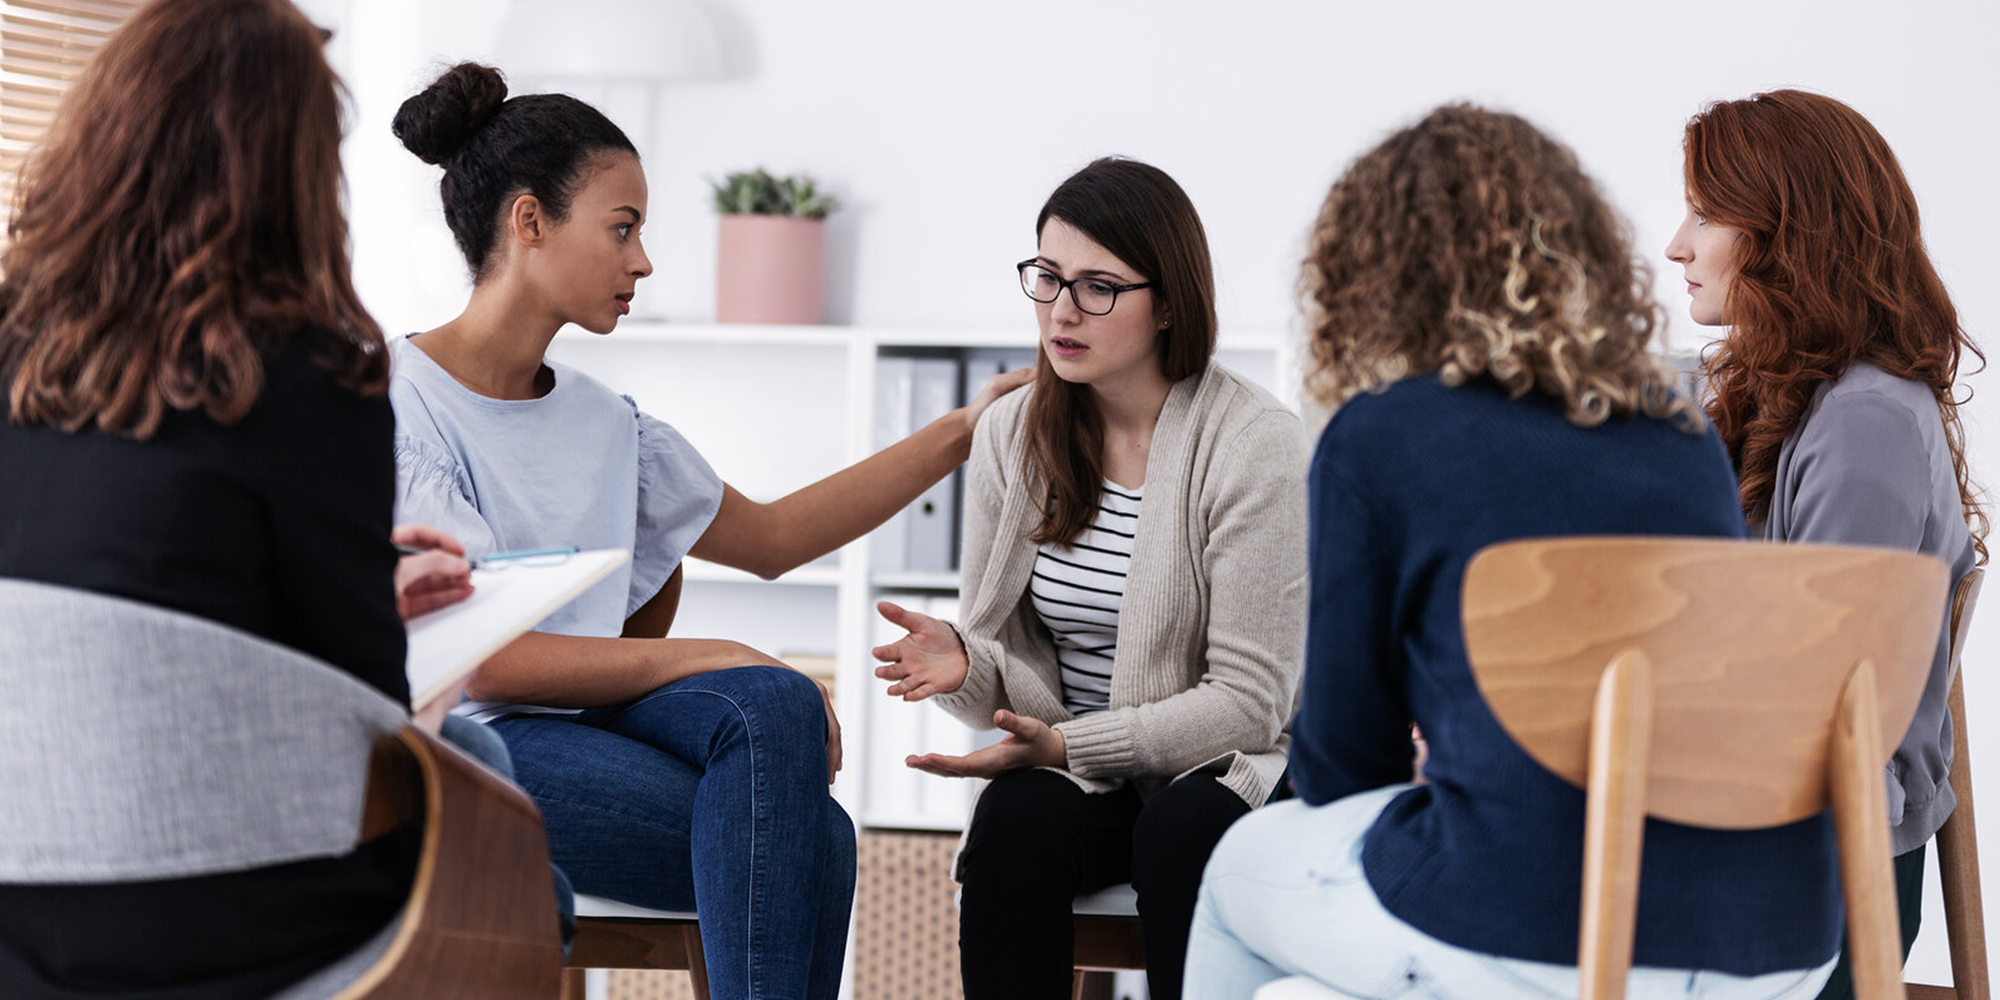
column 774, row 408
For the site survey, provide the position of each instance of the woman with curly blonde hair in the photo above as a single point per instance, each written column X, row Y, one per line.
column 1479, row 326
column 1833, row 389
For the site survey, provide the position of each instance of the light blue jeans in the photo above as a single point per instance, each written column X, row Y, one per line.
column 484, row 745
column 708, row 794
column 1284, row 895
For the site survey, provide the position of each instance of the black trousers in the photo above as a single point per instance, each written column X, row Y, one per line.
column 1036, row 840
column 1909, row 907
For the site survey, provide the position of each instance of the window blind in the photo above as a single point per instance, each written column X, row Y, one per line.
column 44, row 45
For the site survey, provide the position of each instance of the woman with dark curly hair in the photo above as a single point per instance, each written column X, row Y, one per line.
column 1833, row 388
column 1479, row 326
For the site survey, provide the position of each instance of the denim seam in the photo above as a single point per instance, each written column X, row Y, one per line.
column 752, row 970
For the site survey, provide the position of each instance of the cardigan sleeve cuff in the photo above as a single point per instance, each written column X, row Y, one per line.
column 1100, row 746
column 974, row 700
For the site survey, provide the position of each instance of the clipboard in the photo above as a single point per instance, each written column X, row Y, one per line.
column 447, row 644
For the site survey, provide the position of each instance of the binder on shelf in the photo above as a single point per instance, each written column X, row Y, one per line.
column 980, row 365
column 889, row 544
column 931, row 522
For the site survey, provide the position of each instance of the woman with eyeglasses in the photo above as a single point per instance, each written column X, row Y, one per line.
column 1134, row 587
column 1833, row 388
column 671, row 773
column 1479, row 329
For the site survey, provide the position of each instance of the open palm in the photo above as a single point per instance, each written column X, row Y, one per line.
column 929, row 660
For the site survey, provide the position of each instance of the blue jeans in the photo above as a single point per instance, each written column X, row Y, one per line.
column 1284, row 895
column 710, row 795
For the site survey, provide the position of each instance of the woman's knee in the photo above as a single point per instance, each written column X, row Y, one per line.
column 768, row 705
column 779, row 696
column 1022, row 802
column 1179, row 827
column 1016, row 823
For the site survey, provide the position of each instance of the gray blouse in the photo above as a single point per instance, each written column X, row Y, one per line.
column 1869, row 465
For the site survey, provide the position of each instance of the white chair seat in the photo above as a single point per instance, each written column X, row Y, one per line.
column 1117, row 901
column 599, row 908
column 1298, row 988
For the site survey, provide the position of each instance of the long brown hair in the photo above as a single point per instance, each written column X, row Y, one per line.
column 183, row 214
column 1831, row 270
column 1470, row 244
column 1137, row 212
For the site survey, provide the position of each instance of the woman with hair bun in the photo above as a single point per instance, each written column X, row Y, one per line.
column 671, row 773
column 1833, row 388
column 1479, row 328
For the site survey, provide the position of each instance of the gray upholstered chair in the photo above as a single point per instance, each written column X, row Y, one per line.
column 138, row 743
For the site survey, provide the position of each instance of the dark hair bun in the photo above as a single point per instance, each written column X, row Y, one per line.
column 437, row 123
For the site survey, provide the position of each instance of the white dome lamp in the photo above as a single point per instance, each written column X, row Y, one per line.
column 625, row 41
column 615, row 54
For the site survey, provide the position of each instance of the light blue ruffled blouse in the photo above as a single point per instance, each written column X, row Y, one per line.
column 579, row 466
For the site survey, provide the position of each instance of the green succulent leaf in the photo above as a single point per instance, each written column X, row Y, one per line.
column 757, row 192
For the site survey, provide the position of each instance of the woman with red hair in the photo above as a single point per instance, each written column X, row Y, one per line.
column 1832, row 388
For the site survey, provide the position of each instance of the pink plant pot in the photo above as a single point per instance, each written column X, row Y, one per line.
column 769, row 269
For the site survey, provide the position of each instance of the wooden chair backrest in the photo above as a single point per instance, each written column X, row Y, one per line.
column 1964, row 598
column 1958, row 839
column 1750, row 646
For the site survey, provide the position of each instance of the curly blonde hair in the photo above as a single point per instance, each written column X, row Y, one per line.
column 1470, row 244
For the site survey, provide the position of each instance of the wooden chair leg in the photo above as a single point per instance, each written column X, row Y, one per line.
column 1958, row 869
column 1621, row 739
column 697, row 962
column 1859, row 802
column 572, row 985
column 1093, row 984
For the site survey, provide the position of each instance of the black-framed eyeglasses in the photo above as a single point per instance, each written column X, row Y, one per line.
column 1094, row 296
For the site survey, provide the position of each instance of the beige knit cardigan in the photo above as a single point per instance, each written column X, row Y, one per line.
column 1211, row 632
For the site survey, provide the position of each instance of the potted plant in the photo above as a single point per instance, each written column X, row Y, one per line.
column 770, row 248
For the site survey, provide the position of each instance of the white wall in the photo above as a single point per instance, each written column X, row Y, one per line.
column 943, row 125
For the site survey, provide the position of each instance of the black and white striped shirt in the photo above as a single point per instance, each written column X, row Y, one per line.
column 1077, row 591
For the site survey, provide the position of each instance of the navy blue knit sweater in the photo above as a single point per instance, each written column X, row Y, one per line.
column 1405, row 486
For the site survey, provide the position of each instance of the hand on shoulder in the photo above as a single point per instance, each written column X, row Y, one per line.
column 996, row 387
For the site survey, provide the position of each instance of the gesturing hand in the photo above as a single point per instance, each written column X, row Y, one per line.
column 1029, row 743
column 930, row 660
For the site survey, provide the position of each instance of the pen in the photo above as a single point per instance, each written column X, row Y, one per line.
column 487, row 561
column 483, row 562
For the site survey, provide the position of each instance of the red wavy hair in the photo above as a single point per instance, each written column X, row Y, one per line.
column 1831, row 270
column 184, row 212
